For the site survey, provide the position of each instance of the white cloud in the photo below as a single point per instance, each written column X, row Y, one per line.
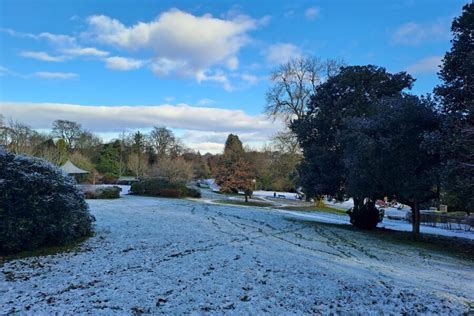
column 205, row 128
column 280, row 53
column 250, row 79
column 43, row 56
column 182, row 44
column 55, row 75
column 415, row 33
column 312, row 13
column 428, row 65
column 84, row 51
column 118, row 118
column 122, row 63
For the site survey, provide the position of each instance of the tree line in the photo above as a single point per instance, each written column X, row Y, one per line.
column 156, row 153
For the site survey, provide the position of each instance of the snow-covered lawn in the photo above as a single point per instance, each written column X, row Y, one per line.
column 177, row 256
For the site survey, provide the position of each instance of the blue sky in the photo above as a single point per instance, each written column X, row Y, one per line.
column 200, row 68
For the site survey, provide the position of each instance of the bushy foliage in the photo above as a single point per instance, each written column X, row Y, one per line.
column 39, row 205
column 103, row 193
column 366, row 216
column 160, row 187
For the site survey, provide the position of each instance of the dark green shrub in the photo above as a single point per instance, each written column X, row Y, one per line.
column 161, row 187
column 103, row 193
column 110, row 178
column 170, row 193
column 39, row 205
column 366, row 216
column 192, row 192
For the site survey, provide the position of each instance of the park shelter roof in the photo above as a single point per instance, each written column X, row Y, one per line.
column 70, row 168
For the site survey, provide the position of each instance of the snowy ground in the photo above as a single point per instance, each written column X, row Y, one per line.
column 177, row 256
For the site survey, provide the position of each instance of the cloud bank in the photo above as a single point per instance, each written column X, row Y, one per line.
column 204, row 128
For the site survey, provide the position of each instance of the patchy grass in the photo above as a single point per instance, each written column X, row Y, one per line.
column 46, row 250
column 314, row 208
column 242, row 202
column 427, row 244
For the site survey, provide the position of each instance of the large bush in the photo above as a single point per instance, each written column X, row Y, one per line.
column 39, row 205
column 365, row 216
column 161, row 187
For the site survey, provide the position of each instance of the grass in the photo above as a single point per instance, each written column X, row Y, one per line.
column 314, row 208
column 249, row 203
column 426, row 245
column 46, row 250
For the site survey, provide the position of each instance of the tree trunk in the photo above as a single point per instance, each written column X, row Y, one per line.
column 415, row 215
column 246, row 198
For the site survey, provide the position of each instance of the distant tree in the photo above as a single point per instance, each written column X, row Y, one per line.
column 456, row 95
column 234, row 171
column 138, row 164
column 19, row 136
column 67, row 130
column 86, row 142
column 109, row 158
column 3, row 131
column 162, row 140
column 175, row 171
column 285, row 141
column 294, row 82
column 200, row 167
column 138, row 143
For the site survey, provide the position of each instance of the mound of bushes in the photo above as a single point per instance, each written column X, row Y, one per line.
column 39, row 205
column 103, row 193
column 161, row 187
column 365, row 216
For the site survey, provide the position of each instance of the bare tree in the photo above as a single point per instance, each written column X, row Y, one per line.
column 138, row 164
column 19, row 136
column 67, row 130
column 175, row 171
column 3, row 131
column 285, row 141
column 163, row 141
column 293, row 84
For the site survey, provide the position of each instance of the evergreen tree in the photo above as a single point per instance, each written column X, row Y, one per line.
column 457, row 103
column 353, row 93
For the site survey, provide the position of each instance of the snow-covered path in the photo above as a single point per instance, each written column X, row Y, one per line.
column 176, row 256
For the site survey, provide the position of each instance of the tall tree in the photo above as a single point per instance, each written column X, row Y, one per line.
column 457, row 103
column 353, row 93
column 395, row 153
column 234, row 171
column 67, row 130
column 163, row 141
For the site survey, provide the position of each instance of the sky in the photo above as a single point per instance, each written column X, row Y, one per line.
column 200, row 68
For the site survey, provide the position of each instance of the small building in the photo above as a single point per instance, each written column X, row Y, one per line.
column 72, row 170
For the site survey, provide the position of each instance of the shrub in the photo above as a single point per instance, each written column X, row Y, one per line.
column 192, row 192
column 110, row 178
column 39, row 205
column 366, row 216
column 161, row 187
column 103, row 193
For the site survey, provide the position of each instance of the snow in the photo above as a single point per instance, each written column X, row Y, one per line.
column 286, row 195
column 180, row 257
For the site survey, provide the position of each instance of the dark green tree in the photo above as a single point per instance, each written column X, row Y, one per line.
column 353, row 93
column 395, row 153
column 456, row 95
